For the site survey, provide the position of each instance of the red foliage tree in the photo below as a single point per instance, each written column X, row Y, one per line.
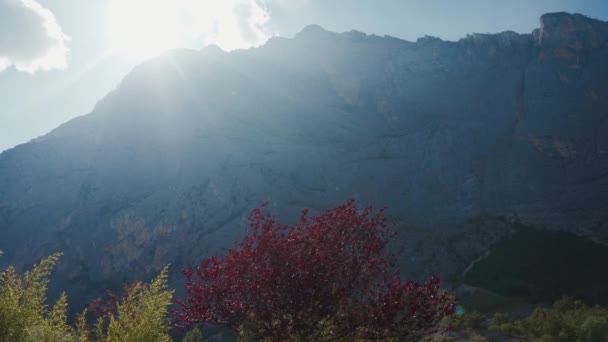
column 326, row 277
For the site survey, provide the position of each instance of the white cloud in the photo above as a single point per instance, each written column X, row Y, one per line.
column 149, row 26
column 30, row 38
column 230, row 24
column 252, row 17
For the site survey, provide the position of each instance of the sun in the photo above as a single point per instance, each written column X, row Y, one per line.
column 143, row 28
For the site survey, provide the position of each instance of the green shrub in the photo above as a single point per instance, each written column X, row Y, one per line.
column 470, row 320
column 24, row 313
column 568, row 320
column 194, row 335
column 477, row 338
column 141, row 315
column 595, row 329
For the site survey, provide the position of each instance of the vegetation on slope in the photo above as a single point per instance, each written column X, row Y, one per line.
column 567, row 320
column 540, row 266
column 327, row 277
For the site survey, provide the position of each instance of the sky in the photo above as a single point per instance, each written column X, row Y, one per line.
column 59, row 57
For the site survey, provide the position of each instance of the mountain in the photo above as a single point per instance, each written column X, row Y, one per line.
column 458, row 139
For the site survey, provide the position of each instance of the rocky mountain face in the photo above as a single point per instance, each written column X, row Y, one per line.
column 456, row 138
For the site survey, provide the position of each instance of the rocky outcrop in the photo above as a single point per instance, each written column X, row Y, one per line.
column 571, row 31
column 456, row 138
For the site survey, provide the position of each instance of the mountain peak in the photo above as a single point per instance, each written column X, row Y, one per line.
column 562, row 29
column 312, row 31
column 212, row 49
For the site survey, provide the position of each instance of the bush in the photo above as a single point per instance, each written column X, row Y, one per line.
column 567, row 320
column 140, row 316
column 595, row 329
column 324, row 277
column 24, row 314
column 470, row 320
column 477, row 338
column 194, row 335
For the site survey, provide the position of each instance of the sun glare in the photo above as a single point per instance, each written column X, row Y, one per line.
column 142, row 28
column 145, row 28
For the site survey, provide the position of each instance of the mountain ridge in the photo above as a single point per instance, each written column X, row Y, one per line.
column 557, row 22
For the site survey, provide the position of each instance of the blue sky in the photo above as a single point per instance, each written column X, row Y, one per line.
column 58, row 57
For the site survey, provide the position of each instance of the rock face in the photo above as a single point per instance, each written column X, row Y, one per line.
column 450, row 136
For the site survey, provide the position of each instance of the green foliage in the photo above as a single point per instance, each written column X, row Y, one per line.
column 595, row 328
column 470, row 320
column 566, row 321
column 498, row 321
column 140, row 316
column 194, row 335
column 501, row 324
column 541, row 266
column 477, row 338
column 24, row 314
